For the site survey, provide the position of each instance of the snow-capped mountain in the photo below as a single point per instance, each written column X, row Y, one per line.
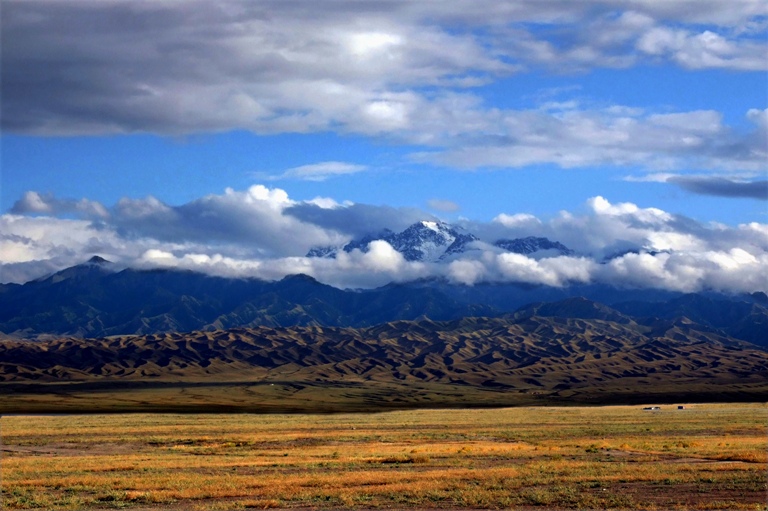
column 323, row 252
column 532, row 244
column 424, row 241
column 460, row 244
column 361, row 244
column 432, row 241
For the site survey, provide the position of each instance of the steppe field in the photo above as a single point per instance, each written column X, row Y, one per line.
column 703, row 457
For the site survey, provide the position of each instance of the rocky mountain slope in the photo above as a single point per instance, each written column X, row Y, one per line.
column 95, row 303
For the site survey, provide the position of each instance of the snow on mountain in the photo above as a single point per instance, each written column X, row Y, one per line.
column 460, row 245
column 432, row 241
column 362, row 243
column 330, row 252
column 424, row 241
column 532, row 244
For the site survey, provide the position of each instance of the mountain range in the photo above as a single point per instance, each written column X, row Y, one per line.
column 97, row 299
column 607, row 358
column 433, row 241
column 299, row 345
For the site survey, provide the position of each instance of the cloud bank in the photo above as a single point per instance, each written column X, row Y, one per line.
column 722, row 187
column 263, row 233
column 407, row 71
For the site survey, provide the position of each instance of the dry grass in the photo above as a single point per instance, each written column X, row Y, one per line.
column 705, row 457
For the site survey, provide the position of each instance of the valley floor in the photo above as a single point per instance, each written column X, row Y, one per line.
column 705, row 456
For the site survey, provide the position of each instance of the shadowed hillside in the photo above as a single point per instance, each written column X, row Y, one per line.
column 145, row 337
column 94, row 299
column 530, row 354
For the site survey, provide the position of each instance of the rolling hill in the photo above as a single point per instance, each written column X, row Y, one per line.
column 530, row 352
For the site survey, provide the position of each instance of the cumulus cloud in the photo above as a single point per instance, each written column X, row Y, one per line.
column 729, row 270
column 33, row 202
column 408, row 72
column 118, row 66
column 261, row 232
column 254, row 221
column 702, row 50
column 357, row 220
column 170, row 67
column 555, row 271
column 518, row 220
column 380, row 265
column 33, row 246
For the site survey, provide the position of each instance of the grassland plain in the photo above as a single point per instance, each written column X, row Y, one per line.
column 705, row 457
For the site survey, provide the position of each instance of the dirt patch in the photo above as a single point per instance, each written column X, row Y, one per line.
column 686, row 495
column 70, row 449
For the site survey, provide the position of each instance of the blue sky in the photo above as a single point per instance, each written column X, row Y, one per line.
column 114, row 112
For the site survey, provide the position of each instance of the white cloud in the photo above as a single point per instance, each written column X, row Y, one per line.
column 759, row 117
column 253, row 221
column 195, row 66
column 34, row 202
column 370, row 44
column 377, row 267
column 467, row 272
column 401, row 71
column 574, row 138
column 601, row 206
column 34, row 246
column 138, row 209
column 254, row 233
column 733, row 270
column 321, row 171
column 655, row 177
column 518, row 221
column 382, row 257
column 274, row 198
column 704, row 50
column 519, row 268
column 26, row 239
column 327, row 203
column 446, row 206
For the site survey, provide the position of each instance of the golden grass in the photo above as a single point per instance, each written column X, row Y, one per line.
column 706, row 457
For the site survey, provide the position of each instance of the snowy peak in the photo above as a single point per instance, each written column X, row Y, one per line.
column 323, row 252
column 362, row 243
column 424, row 241
column 532, row 244
column 460, row 244
column 433, row 241
column 434, row 226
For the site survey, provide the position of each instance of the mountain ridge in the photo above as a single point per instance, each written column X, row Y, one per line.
column 531, row 352
column 93, row 300
column 436, row 241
